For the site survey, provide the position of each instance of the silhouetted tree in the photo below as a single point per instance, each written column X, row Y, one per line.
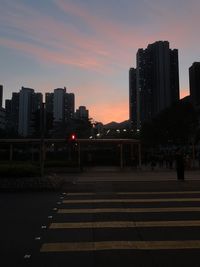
column 175, row 125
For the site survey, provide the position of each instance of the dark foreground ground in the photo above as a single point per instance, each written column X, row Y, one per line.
column 94, row 222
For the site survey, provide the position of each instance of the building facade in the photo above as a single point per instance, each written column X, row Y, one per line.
column 25, row 103
column 194, row 78
column 58, row 104
column 29, row 103
column 49, row 102
column 23, row 114
column 2, row 110
column 157, row 81
column 69, row 106
column 82, row 113
column 132, row 97
column 2, row 118
column 12, row 114
column 1, row 95
column 63, row 105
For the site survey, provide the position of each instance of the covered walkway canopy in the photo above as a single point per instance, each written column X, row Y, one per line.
column 43, row 142
column 120, row 142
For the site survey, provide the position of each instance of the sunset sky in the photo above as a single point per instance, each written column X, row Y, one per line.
column 89, row 46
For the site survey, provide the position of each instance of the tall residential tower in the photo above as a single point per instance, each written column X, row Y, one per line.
column 194, row 75
column 29, row 103
column 157, row 80
column 63, row 105
column 1, row 95
column 132, row 97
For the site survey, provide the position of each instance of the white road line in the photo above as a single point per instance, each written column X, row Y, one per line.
column 120, row 245
column 136, row 200
column 135, row 193
column 125, row 224
column 130, row 210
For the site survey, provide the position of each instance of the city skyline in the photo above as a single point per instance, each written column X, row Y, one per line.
column 22, row 115
column 89, row 47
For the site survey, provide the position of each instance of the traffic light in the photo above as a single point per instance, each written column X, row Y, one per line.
column 72, row 140
column 72, row 146
column 72, row 137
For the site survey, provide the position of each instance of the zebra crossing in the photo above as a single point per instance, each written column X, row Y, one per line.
column 163, row 224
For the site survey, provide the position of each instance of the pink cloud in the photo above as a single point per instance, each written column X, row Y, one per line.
column 126, row 37
column 45, row 55
column 45, row 33
column 176, row 24
column 96, row 51
column 129, row 36
column 44, row 29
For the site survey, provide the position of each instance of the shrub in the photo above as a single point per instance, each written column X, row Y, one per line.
column 19, row 170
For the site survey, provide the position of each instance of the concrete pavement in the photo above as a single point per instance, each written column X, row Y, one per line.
column 111, row 173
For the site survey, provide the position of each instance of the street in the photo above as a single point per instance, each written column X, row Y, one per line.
column 103, row 223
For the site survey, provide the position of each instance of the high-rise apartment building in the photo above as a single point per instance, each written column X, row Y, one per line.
column 29, row 103
column 23, row 112
column 82, row 113
column 8, row 103
column 58, row 104
column 2, row 110
column 49, row 102
column 157, row 80
column 1, row 95
column 63, row 105
column 2, row 118
column 37, row 101
column 12, row 113
column 132, row 96
column 69, row 106
column 25, row 103
column 194, row 77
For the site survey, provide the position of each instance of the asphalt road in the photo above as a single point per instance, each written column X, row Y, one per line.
column 22, row 215
column 155, row 223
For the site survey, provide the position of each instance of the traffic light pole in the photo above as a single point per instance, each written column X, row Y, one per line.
column 79, row 156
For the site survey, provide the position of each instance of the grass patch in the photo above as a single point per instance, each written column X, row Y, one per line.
column 19, row 170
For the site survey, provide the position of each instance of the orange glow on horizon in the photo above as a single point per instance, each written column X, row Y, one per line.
column 106, row 113
column 184, row 93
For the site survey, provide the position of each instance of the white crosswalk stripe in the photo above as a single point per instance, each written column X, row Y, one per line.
column 154, row 198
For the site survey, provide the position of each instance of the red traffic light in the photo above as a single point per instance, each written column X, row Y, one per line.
column 73, row 137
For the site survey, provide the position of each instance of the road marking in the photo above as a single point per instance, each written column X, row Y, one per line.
column 81, row 194
column 136, row 200
column 136, row 193
column 131, row 210
column 125, row 224
column 120, row 245
column 27, row 256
